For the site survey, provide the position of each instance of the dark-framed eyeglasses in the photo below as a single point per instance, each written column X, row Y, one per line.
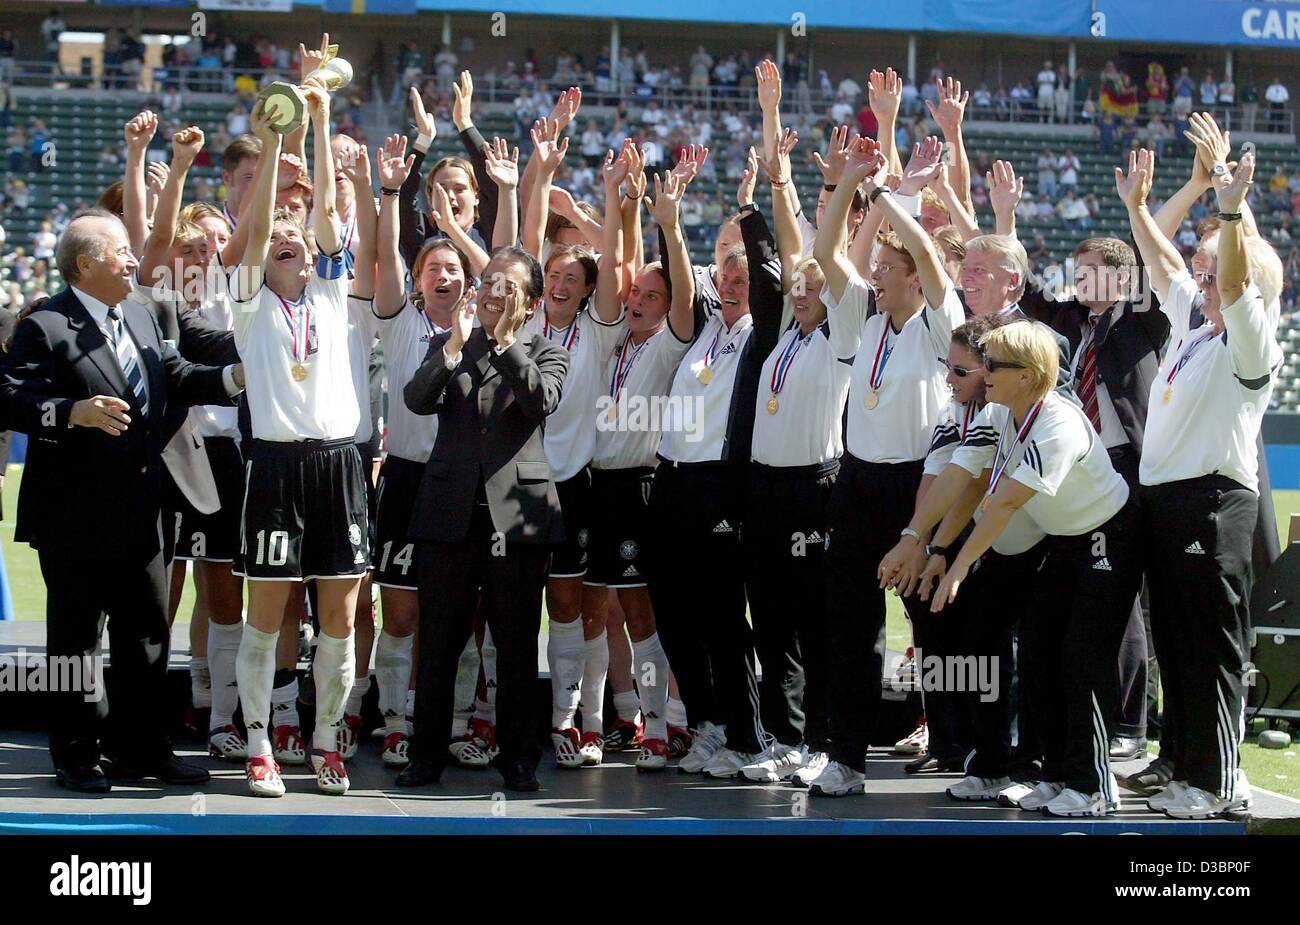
column 993, row 365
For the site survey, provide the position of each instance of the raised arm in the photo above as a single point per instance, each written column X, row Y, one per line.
column 562, row 113
column 356, row 168
column 1005, row 192
column 394, row 164
column 962, row 220
column 862, row 159
column 474, row 143
column 326, row 222
column 502, row 166
column 186, row 145
column 921, row 169
column 885, row 96
column 665, row 208
column 139, row 132
column 548, row 153
column 948, row 115
column 789, row 240
column 441, row 212
column 1159, row 255
column 411, row 226
column 608, row 281
column 1233, row 267
column 633, row 240
column 260, row 211
column 561, row 203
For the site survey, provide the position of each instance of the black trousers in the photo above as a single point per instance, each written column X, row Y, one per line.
column 995, row 599
column 870, row 504
column 509, row 578
column 783, row 545
column 697, row 587
column 937, row 636
column 130, row 593
column 1134, row 660
column 1069, row 647
column 1197, row 536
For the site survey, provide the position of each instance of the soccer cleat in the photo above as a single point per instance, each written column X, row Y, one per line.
column 679, row 741
column 263, row 775
column 1073, row 803
column 905, row 673
column 287, row 744
column 1012, row 795
column 567, row 745
column 813, row 765
column 592, row 749
column 349, row 738
column 331, row 776
column 485, row 736
column 1162, row 798
column 1042, row 794
column 979, row 789
column 916, row 743
column 396, row 745
column 226, row 743
column 624, row 737
column 466, row 753
column 726, row 763
column 654, row 755
column 777, row 763
column 838, row 780
column 1195, row 803
column 708, row 739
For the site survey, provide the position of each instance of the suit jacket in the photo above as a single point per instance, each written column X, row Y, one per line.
column 1128, row 352
column 491, row 415
column 83, row 488
column 8, row 321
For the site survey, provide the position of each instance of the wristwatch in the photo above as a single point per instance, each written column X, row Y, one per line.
column 936, row 551
column 1218, row 170
column 875, row 193
column 747, row 208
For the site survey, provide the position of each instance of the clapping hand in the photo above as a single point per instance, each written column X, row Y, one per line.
column 1233, row 193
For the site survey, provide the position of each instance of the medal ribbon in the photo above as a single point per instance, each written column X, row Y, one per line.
column 712, row 352
column 299, row 325
column 623, row 366
column 569, row 337
column 786, row 360
column 967, row 418
column 882, row 359
column 1000, row 470
column 1182, row 360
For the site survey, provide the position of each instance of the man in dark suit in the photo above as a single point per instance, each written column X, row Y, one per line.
column 90, row 380
column 487, row 513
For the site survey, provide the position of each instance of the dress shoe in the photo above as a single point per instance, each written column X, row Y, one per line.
column 1152, row 779
column 1123, row 748
column 171, row 770
column 520, row 776
column 930, row 764
column 83, row 778
column 419, row 773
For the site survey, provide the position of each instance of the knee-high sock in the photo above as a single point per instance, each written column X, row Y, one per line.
column 200, row 682
column 594, row 671
column 360, row 687
column 284, row 700
column 627, row 705
column 255, row 673
column 487, row 708
column 650, row 668
column 223, row 651
column 335, row 669
column 564, row 653
column 393, row 675
column 676, row 712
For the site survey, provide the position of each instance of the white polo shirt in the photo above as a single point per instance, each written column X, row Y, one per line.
column 703, row 386
column 361, row 340
column 799, row 415
column 323, row 406
column 216, row 420
column 1210, row 422
column 405, row 338
column 635, row 382
column 912, row 389
column 570, row 430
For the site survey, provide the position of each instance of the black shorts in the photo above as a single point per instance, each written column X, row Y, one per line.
column 619, row 526
column 394, row 556
column 570, row 557
column 304, row 512
column 209, row 537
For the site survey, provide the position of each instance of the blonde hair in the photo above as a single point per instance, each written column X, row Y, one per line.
column 930, row 198
column 198, row 211
column 1265, row 271
column 188, row 232
column 1009, row 251
column 1032, row 346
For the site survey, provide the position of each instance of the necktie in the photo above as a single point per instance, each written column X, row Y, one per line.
column 128, row 359
column 1088, row 376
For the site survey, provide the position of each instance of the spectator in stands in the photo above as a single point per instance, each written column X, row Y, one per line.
column 1047, row 173
column 1227, row 94
column 108, row 157
column 701, row 67
column 1249, row 98
column 1045, row 211
column 1022, row 98
column 1088, row 115
column 1072, row 211
column 8, row 55
column 911, row 99
column 841, row 110
column 1063, row 95
column 171, row 98
column 1039, row 251
column 1026, row 211
column 1046, row 92
column 52, row 27
column 1277, row 97
column 1067, row 168
column 444, row 64
column 1184, row 87
column 43, row 241
column 1209, row 90
column 1157, row 134
column 1157, row 89
column 982, row 101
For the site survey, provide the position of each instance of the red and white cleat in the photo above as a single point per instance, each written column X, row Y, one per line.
column 466, row 753
column 679, row 741
column 916, row 743
column 331, row 775
column 288, row 746
column 226, row 743
column 484, row 735
column 395, row 750
column 624, row 737
column 654, row 755
column 263, row 775
column 567, row 747
column 349, row 736
column 592, row 749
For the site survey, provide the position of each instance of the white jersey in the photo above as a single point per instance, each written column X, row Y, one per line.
column 216, row 420
column 974, row 453
column 635, row 384
column 405, row 337
column 1059, row 455
column 275, row 336
column 361, row 340
column 1209, row 398
column 952, row 429
column 799, row 415
column 703, row 387
column 570, row 430
column 892, row 417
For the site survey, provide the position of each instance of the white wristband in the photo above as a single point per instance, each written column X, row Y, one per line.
column 910, row 204
column 422, row 141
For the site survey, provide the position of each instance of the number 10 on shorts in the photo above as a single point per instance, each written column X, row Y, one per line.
column 277, row 549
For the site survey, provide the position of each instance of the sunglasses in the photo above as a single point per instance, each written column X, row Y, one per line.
column 993, row 365
column 961, row 372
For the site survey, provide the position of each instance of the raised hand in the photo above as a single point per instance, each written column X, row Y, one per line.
column 565, row 109
column 290, row 169
column 318, row 103
column 260, row 123
column 636, row 172
column 1233, row 193
column 156, row 176
column 1134, row 185
column 502, row 165
column 463, row 93
column 615, row 169
column 745, row 189
column 561, row 201
column 1212, row 145
column 440, row 207
column 667, row 202
column 309, row 61
column 952, row 106
column 884, row 93
column 355, row 165
column 863, row 159
column 778, row 169
column 139, row 131
column 833, row 167
column 688, row 168
column 768, row 78
column 424, row 122
column 186, row 144
column 550, row 155
column 394, row 163
column 1005, row 188
column 922, row 166
column 462, row 320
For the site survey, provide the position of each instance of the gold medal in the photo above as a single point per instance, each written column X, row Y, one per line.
column 705, row 375
column 299, row 372
column 1169, row 394
column 872, row 400
column 772, row 405
column 984, row 505
column 612, row 414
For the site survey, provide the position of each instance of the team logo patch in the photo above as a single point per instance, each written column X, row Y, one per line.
column 628, row 549
column 582, row 538
column 354, row 534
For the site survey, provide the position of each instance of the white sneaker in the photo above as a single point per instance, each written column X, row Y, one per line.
column 568, row 747
column 813, row 765
column 727, row 763
column 1040, row 796
column 708, row 739
column 983, row 789
column 776, row 763
column 1011, row 796
column 1158, row 801
column 226, row 743
column 915, row 743
column 1073, row 803
column 838, row 780
column 1195, row 803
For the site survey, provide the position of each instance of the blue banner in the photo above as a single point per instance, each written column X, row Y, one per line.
column 1268, row 24
column 387, row 7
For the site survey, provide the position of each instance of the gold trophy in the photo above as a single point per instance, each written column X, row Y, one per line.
column 285, row 102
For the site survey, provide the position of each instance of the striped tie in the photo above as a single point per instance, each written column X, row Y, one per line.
column 1088, row 377
column 128, row 359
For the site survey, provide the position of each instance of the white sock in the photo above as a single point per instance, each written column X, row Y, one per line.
column 595, row 670
column 360, row 687
column 485, row 711
column 200, row 681
column 564, row 653
column 255, row 672
column 650, row 665
column 489, row 655
column 410, row 704
column 393, row 674
column 627, row 705
column 284, row 704
column 676, row 712
column 223, row 650
column 335, row 669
